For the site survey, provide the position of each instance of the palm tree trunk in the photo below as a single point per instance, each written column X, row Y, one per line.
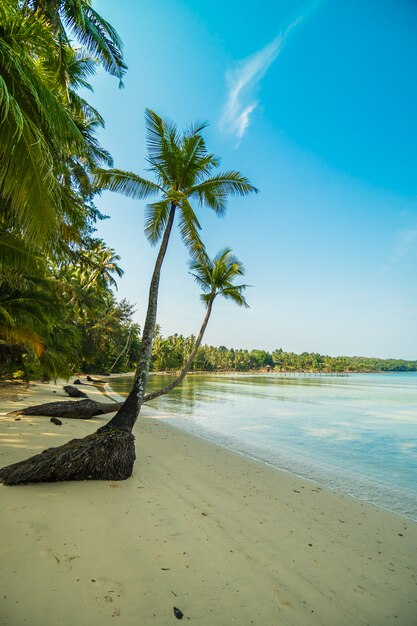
column 187, row 365
column 126, row 417
column 122, row 352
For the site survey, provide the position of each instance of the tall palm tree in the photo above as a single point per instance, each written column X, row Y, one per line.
column 215, row 277
column 184, row 171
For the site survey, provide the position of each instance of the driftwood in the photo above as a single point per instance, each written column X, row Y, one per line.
column 78, row 409
column 74, row 392
column 107, row 455
column 97, row 380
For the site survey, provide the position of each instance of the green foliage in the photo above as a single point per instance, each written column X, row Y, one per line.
column 57, row 310
column 215, row 277
column 183, row 170
column 170, row 354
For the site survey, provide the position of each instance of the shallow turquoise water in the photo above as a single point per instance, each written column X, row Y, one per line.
column 356, row 434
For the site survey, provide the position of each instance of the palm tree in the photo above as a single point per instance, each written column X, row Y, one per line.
column 184, row 170
column 36, row 128
column 100, row 262
column 78, row 19
column 215, row 277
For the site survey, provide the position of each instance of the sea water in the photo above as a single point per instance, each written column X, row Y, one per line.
column 356, row 434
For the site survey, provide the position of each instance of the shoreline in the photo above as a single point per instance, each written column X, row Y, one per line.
column 225, row 538
column 397, row 499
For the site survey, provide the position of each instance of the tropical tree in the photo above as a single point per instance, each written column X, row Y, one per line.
column 215, row 277
column 77, row 19
column 36, row 128
column 101, row 262
column 184, row 171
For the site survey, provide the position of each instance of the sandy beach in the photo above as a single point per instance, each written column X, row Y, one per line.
column 225, row 539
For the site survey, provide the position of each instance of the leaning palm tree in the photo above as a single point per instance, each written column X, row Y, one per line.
column 184, row 171
column 215, row 277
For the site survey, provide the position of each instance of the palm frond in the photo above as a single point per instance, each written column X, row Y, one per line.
column 18, row 254
column 127, row 183
column 156, row 217
column 215, row 277
column 189, row 230
column 213, row 191
column 22, row 336
column 99, row 38
column 235, row 293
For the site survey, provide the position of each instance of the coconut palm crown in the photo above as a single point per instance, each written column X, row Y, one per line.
column 215, row 277
column 184, row 171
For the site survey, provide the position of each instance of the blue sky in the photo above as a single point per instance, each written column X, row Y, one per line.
column 316, row 102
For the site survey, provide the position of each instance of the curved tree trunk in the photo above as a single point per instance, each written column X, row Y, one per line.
column 122, row 352
column 187, row 365
column 126, row 417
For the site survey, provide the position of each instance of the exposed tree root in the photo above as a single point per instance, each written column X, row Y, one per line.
column 107, row 455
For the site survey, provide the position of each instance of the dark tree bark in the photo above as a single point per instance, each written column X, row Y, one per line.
column 100, row 456
column 126, row 417
column 74, row 392
column 82, row 409
column 96, row 380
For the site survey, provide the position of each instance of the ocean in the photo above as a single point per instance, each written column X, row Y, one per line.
column 356, row 434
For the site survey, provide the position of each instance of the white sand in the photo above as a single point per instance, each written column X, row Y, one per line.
column 226, row 539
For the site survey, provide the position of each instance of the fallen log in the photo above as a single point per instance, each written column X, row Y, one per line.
column 74, row 392
column 82, row 409
column 97, row 380
column 77, row 409
column 108, row 455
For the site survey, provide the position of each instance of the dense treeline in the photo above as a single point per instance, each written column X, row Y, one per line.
column 57, row 310
column 171, row 352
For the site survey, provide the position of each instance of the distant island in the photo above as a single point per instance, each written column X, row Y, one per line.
column 170, row 353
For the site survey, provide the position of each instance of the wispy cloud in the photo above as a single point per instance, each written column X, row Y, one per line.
column 242, row 84
column 243, row 80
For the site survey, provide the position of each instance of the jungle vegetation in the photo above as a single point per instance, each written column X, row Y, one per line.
column 58, row 313
column 170, row 353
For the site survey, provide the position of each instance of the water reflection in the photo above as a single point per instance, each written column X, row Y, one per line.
column 357, row 433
